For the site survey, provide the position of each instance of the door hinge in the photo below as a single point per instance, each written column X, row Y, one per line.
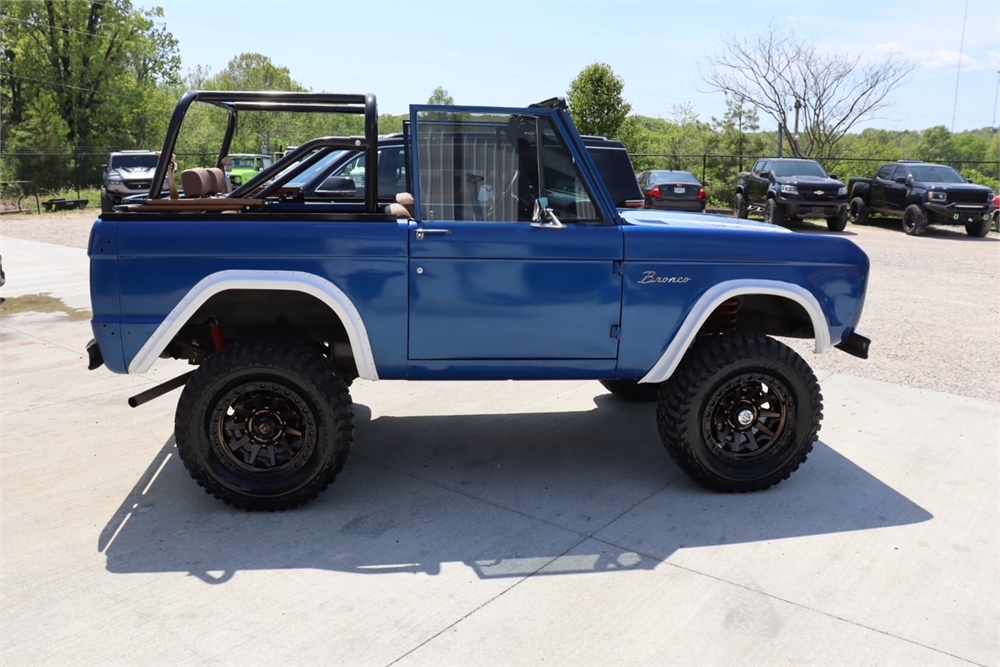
column 618, row 267
column 616, row 331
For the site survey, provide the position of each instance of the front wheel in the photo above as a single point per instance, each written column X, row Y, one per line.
column 741, row 412
column 858, row 211
column 774, row 213
column 979, row 228
column 914, row 220
column 264, row 424
column 739, row 206
column 838, row 222
column 107, row 202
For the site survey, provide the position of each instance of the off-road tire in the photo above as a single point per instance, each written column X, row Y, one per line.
column 858, row 211
column 838, row 222
column 979, row 228
column 915, row 220
column 631, row 390
column 296, row 431
column 774, row 213
column 728, row 377
column 740, row 206
column 107, row 202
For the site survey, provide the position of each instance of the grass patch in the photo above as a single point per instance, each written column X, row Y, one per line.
column 40, row 303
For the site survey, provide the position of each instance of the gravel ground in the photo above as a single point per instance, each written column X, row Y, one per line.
column 932, row 312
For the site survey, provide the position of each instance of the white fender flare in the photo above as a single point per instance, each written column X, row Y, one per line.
column 711, row 300
column 293, row 281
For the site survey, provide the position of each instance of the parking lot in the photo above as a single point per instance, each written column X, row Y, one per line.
column 507, row 522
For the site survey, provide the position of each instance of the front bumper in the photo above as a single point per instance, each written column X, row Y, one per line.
column 796, row 206
column 957, row 213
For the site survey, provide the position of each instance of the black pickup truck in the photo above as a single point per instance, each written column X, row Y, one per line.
column 922, row 194
column 792, row 188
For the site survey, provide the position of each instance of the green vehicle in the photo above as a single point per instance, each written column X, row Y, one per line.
column 247, row 165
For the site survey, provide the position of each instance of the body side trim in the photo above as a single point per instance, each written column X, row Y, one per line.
column 295, row 281
column 709, row 301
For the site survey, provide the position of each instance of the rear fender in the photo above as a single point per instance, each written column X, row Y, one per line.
column 296, row 281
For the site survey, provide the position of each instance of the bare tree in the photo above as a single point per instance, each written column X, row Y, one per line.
column 815, row 97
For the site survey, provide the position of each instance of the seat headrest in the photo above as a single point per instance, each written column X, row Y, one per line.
column 196, row 182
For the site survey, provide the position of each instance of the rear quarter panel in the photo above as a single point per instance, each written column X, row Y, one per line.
column 160, row 260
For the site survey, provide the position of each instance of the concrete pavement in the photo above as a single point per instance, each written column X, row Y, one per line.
column 481, row 523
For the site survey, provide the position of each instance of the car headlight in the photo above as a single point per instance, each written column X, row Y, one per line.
column 789, row 190
column 237, row 180
column 114, row 181
column 842, row 192
column 937, row 196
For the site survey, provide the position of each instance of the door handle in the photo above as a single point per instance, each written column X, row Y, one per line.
column 421, row 233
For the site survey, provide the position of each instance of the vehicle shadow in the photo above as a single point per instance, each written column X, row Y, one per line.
column 941, row 232
column 507, row 495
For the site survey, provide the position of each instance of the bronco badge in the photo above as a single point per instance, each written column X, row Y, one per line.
column 649, row 277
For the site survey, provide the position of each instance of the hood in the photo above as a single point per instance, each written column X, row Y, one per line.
column 809, row 181
column 952, row 187
column 132, row 172
column 696, row 221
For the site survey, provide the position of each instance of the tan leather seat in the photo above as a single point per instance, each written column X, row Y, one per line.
column 196, row 182
column 404, row 206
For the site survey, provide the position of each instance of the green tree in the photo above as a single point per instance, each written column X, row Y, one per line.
column 440, row 96
column 257, row 131
column 41, row 140
column 595, row 101
column 100, row 61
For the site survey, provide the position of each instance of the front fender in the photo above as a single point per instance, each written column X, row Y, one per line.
column 712, row 298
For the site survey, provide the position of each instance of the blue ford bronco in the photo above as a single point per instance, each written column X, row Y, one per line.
column 504, row 258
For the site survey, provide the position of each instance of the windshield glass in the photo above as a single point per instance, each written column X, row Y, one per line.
column 241, row 162
column 312, row 172
column 799, row 168
column 937, row 173
column 133, row 162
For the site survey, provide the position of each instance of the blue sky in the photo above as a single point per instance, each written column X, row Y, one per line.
column 514, row 53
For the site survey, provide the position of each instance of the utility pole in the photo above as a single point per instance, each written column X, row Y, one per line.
column 795, row 137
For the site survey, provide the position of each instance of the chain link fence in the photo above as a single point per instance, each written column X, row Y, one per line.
column 28, row 179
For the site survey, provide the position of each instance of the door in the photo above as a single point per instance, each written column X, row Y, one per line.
column 488, row 283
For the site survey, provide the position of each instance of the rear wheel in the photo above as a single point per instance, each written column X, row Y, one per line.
column 739, row 206
column 264, row 424
column 914, row 220
column 631, row 390
column 740, row 413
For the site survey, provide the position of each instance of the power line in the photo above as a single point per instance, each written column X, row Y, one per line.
column 958, row 74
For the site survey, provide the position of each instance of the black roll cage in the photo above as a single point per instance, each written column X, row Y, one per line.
column 236, row 101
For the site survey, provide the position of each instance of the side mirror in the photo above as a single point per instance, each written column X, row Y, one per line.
column 901, row 180
column 543, row 217
column 104, row 167
column 833, row 176
column 340, row 187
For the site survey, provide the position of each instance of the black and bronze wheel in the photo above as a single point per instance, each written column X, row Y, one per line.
column 740, row 413
column 265, row 424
